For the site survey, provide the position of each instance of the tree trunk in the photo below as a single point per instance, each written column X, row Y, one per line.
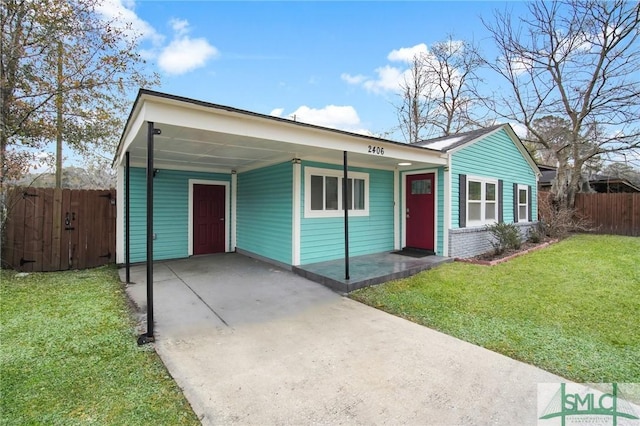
column 59, row 121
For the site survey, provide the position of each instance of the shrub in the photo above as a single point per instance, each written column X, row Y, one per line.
column 536, row 233
column 560, row 221
column 506, row 236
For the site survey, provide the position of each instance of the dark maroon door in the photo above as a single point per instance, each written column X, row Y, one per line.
column 208, row 219
column 419, row 214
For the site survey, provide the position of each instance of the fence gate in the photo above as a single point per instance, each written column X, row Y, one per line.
column 57, row 229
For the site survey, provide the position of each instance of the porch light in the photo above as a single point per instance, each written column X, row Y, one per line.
column 404, row 164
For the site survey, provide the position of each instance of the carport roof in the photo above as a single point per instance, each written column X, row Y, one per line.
column 202, row 136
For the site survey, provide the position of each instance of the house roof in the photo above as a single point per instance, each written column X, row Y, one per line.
column 198, row 135
column 447, row 143
column 458, row 141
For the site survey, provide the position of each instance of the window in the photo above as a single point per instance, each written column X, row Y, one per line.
column 323, row 193
column 523, row 203
column 482, row 201
column 422, row 186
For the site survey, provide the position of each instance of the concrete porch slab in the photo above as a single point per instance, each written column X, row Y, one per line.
column 367, row 270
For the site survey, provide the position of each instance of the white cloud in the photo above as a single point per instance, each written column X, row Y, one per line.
column 389, row 79
column 353, row 79
column 519, row 129
column 342, row 117
column 184, row 53
column 122, row 15
column 181, row 55
column 179, row 26
column 521, row 65
column 277, row 112
column 406, row 54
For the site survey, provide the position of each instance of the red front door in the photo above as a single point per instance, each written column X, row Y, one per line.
column 419, row 214
column 208, row 219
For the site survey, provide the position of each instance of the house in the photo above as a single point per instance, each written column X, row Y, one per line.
column 597, row 183
column 226, row 180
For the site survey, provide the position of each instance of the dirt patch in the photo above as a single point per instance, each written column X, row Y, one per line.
column 491, row 258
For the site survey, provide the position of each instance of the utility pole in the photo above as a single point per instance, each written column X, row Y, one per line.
column 59, row 126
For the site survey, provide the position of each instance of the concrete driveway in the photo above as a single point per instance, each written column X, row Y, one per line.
column 253, row 344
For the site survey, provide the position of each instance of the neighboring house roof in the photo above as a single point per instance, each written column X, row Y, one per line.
column 548, row 173
column 599, row 183
column 458, row 141
column 603, row 183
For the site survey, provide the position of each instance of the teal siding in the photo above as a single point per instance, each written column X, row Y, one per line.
column 264, row 212
column 323, row 238
column 496, row 156
column 439, row 207
column 170, row 212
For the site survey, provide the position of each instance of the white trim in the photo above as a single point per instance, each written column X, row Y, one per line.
column 483, row 181
column 435, row 205
column 120, row 214
column 526, row 189
column 295, row 214
column 446, row 225
column 234, row 210
column 308, row 213
column 227, row 211
column 396, row 210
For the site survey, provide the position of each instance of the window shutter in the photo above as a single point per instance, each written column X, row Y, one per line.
column 529, row 203
column 462, row 202
column 515, row 203
column 500, row 209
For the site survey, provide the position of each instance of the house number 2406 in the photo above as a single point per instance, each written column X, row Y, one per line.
column 377, row 150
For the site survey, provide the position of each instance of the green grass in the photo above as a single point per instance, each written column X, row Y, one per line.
column 69, row 355
column 572, row 309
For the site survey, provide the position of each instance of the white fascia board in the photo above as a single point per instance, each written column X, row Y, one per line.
column 130, row 133
column 262, row 128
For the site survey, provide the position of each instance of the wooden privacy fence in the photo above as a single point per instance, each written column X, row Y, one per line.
column 57, row 229
column 613, row 213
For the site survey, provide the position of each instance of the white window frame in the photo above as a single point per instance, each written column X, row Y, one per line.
column 526, row 217
column 483, row 201
column 315, row 171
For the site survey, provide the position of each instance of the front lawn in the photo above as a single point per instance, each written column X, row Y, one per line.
column 572, row 308
column 69, row 355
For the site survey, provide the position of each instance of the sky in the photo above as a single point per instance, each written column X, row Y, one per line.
column 331, row 63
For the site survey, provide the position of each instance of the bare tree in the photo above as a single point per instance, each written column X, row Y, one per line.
column 413, row 107
column 438, row 94
column 576, row 60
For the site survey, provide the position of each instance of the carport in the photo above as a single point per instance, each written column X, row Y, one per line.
column 175, row 134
